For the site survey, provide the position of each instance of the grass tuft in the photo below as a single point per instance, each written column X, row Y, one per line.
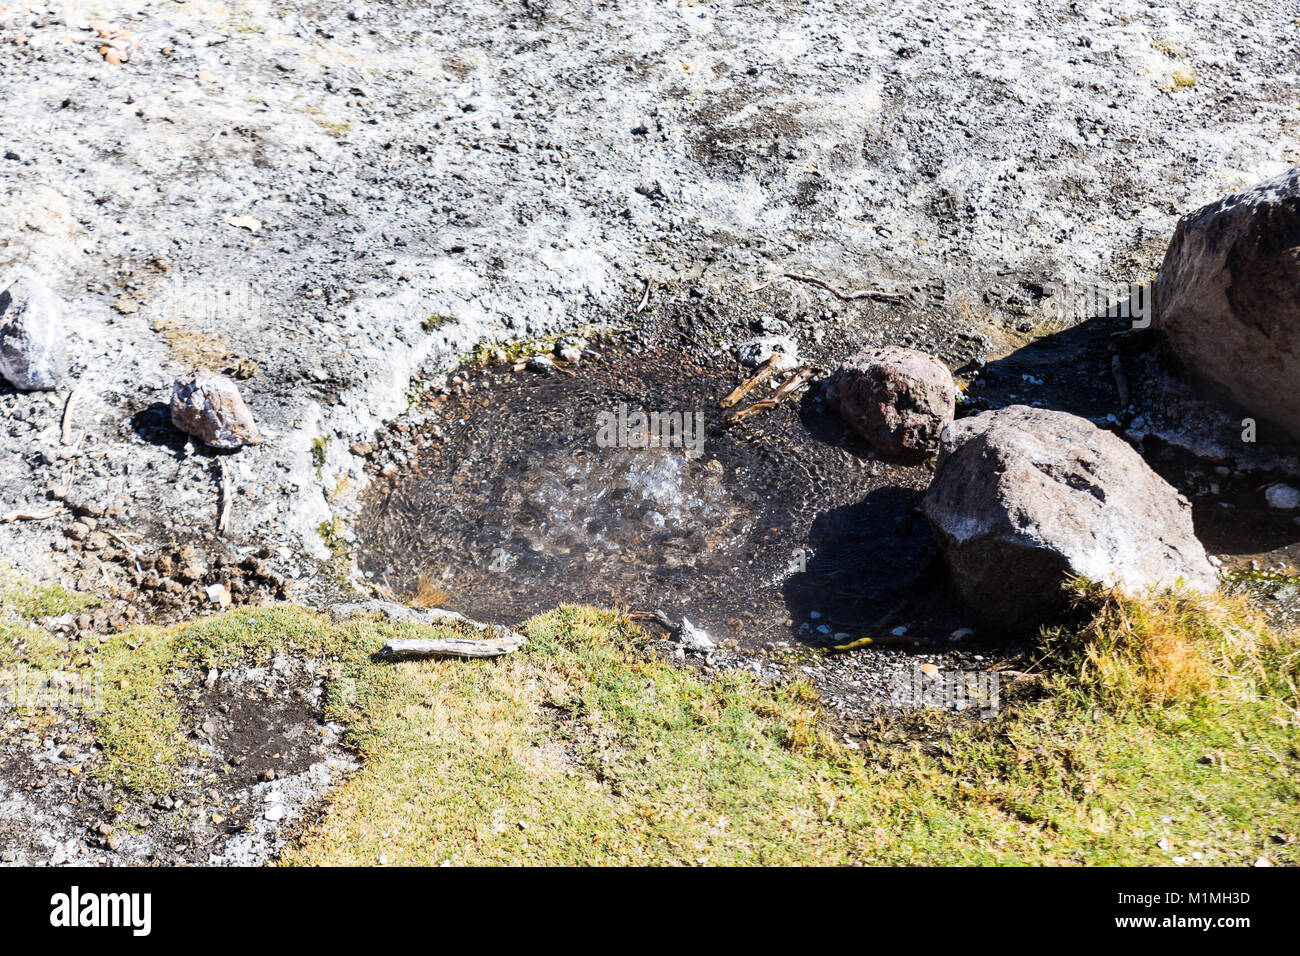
column 1177, row 650
column 428, row 593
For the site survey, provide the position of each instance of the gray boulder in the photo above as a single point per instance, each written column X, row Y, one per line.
column 33, row 347
column 1228, row 297
column 898, row 399
column 1024, row 497
column 209, row 407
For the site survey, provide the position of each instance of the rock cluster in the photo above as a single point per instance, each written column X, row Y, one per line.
column 1024, row 498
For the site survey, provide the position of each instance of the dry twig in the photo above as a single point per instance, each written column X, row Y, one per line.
column 49, row 512
column 877, row 294
column 227, row 499
column 764, row 372
column 791, row 385
column 66, row 424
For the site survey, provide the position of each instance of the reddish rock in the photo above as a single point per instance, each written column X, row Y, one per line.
column 209, row 407
column 898, row 399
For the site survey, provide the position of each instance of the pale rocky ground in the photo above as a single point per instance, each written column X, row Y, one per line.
column 295, row 189
column 522, row 167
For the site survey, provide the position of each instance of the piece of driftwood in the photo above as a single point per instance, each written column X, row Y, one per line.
column 498, row 638
column 49, row 512
column 645, row 298
column 796, row 381
column 762, row 374
column 453, row 646
column 227, row 499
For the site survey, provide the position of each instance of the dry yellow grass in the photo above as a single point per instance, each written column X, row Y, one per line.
column 428, row 593
column 1173, row 648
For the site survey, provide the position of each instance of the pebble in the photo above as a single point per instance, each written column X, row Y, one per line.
column 693, row 638
column 1282, row 497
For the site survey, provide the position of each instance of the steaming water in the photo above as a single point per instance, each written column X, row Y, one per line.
column 779, row 528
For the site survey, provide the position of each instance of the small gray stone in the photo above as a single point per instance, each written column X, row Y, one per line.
column 757, row 351
column 33, row 348
column 1282, row 497
column 693, row 638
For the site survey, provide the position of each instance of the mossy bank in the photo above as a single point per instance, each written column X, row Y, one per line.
column 1166, row 732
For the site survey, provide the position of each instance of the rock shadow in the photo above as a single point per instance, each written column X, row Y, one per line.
column 1068, row 371
column 870, row 561
column 154, row 425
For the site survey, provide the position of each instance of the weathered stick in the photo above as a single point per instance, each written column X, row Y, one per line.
column 877, row 294
column 454, row 646
column 49, row 512
column 751, row 410
column 764, row 372
column 65, row 427
column 499, row 640
column 788, row 388
column 227, row 499
column 794, row 382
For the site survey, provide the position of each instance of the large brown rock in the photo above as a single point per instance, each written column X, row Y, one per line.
column 1228, row 297
column 898, row 399
column 209, row 407
column 1025, row 497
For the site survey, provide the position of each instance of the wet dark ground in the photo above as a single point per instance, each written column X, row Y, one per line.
column 782, row 526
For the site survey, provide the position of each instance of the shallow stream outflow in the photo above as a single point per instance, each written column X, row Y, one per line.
column 534, row 489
